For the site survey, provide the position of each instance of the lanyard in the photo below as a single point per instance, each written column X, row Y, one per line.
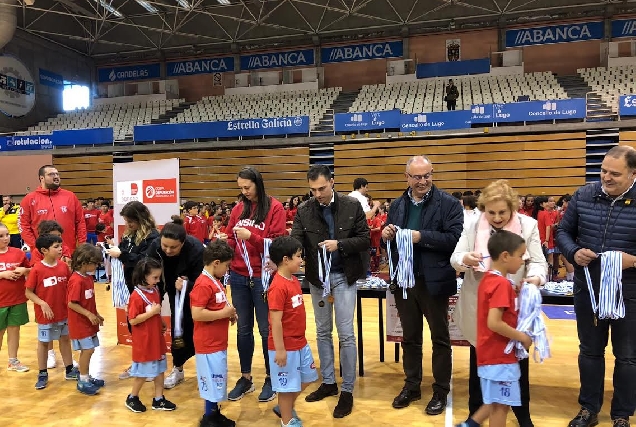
column 218, row 286
column 404, row 270
column 323, row 273
column 143, row 297
column 610, row 303
column 246, row 257
column 265, row 273
column 179, row 302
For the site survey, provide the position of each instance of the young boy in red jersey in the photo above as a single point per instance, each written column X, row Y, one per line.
column 14, row 266
column 46, row 288
column 212, row 314
column 91, row 217
column 291, row 362
column 497, row 314
column 217, row 229
column 195, row 224
column 83, row 319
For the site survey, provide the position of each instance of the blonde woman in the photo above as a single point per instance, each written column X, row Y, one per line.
column 498, row 205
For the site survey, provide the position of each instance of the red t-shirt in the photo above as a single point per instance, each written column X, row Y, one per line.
column 91, row 217
column 291, row 214
column 148, row 343
column 545, row 219
column 12, row 291
column 495, row 291
column 81, row 290
column 377, row 234
column 106, row 218
column 209, row 337
column 49, row 283
column 196, row 226
column 286, row 295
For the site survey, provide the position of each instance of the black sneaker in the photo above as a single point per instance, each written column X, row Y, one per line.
column 437, row 404
column 584, row 418
column 620, row 422
column 325, row 390
column 405, row 398
column 344, row 406
column 134, row 404
column 216, row 419
column 163, row 405
column 242, row 387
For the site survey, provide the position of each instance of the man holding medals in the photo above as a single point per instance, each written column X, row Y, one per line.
column 423, row 227
column 333, row 231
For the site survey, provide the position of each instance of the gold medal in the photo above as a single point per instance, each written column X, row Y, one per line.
column 178, row 342
column 330, row 299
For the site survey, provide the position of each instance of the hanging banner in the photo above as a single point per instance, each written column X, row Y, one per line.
column 393, row 324
column 131, row 72
column 456, row 336
column 453, row 50
column 156, row 184
column 362, row 52
column 623, row 28
column 377, row 120
column 444, row 120
column 627, row 105
column 555, row 34
column 51, row 79
column 200, row 66
column 291, row 58
column 17, row 87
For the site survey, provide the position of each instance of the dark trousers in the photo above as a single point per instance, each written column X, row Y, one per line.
column 421, row 304
column 592, row 342
column 475, row 399
column 450, row 105
column 181, row 355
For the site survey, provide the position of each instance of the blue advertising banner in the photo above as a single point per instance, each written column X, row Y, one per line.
column 555, row 34
column 623, row 28
column 447, row 120
column 200, row 66
column 481, row 113
column 627, row 105
column 362, row 52
column 224, row 129
column 560, row 109
column 132, row 72
column 20, row 143
column 290, row 58
column 345, row 122
column 453, row 68
column 49, row 78
column 58, row 138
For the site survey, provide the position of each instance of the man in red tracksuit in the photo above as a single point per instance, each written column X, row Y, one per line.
column 50, row 202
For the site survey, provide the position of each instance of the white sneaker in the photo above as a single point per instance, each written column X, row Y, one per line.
column 75, row 364
column 175, row 377
column 50, row 360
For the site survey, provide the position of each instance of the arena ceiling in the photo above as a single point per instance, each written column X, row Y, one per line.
column 119, row 30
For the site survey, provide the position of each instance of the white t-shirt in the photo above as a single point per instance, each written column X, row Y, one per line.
column 362, row 199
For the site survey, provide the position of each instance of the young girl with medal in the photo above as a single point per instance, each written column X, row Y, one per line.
column 254, row 219
column 148, row 346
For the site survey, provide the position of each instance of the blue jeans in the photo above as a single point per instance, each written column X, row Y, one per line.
column 592, row 342
column 344, row 304
column 247, row 301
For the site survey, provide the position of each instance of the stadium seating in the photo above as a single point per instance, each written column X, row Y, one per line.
column 427, row 95
column 312, row 103
column 122, row 117
column 610, row 83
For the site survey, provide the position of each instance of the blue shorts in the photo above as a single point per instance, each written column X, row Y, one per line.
column 91, row 238
column 212, row 376
column 149, row 369
column 52, row 331
column 85, row 343
column 500, row 384
column 300, row 369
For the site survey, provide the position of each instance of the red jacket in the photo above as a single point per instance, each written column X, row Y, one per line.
column 58, row 205
column 273, row 226
column 196, row 226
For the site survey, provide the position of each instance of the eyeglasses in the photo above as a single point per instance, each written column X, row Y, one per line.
column 420, row 177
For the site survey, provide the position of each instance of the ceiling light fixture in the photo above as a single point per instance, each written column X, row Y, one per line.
column 224, row 2
column 150, row 8
column 110, row 9
column 184, row 4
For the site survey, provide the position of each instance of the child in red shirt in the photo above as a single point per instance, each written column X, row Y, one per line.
column 375, row 225
column 13, row 307
column 195, row 224
column 148, row 346
column 497, row 313
column 547, row 220
column 83, row 319
column 46, row 287
column 291, row 362
column 217, row 229
column 212, row 314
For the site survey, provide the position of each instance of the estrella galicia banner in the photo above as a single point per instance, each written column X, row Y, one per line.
column 290, row 58
column 200, row 66
column 362, row 52
column 17, row 87
column 51, row 79
column 223, row 129
column 623, row 28
column 555, row 34
column 447, row 120
column 131, row 72
column 346, row 122
column 627, row 106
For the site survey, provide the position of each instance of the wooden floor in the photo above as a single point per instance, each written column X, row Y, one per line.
column 554, row 386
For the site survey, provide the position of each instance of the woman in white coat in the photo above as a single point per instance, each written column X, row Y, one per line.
column 498, row 204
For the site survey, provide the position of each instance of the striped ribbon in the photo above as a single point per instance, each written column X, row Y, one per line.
column 226, row 279
column 143, row 297
column 610, row 302
column 404, row 270
column 323, row 273
column 245, row 255
column 531, row 323
column 120, row 293
column 265, row 273
column 179, row 302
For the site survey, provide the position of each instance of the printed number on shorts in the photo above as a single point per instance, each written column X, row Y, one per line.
column 505, row 391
